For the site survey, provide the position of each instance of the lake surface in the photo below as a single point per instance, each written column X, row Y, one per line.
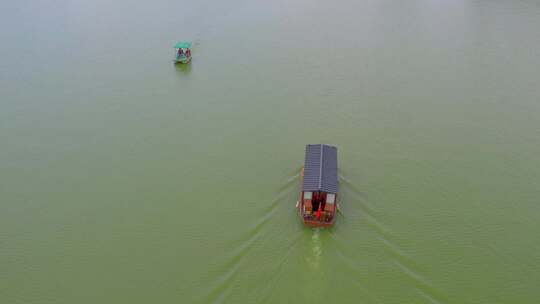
column 127, row 179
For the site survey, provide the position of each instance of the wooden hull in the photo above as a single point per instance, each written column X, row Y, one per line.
column 317, row 223
column 183, row 60
column 311, row 220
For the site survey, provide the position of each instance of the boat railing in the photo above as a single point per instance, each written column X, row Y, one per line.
column 324, row 218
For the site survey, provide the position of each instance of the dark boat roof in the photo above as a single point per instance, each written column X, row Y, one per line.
column 320, row 169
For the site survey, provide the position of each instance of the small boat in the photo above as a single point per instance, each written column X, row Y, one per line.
column 183, row 52
column 317, row 205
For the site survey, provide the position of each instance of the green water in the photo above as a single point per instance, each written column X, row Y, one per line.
column 127, row 179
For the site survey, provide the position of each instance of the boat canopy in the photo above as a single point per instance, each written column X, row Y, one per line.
column 320, row 169
column 182, row 45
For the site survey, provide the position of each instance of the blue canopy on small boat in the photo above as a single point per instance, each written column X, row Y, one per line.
column 182, row 45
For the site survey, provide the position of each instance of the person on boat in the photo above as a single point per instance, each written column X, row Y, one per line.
column 188, row 53
column 180, row 53
column 315, row 201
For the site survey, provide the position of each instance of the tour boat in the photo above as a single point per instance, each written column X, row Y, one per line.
column 317, row 205
column 183, row 52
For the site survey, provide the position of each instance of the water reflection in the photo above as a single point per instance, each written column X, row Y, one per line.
column 183, row 69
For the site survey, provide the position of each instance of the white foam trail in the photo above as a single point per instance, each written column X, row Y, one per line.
column 316, row 250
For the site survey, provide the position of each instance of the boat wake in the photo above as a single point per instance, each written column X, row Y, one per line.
column 314, row 259
column 359, row 211
column 250, row 245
